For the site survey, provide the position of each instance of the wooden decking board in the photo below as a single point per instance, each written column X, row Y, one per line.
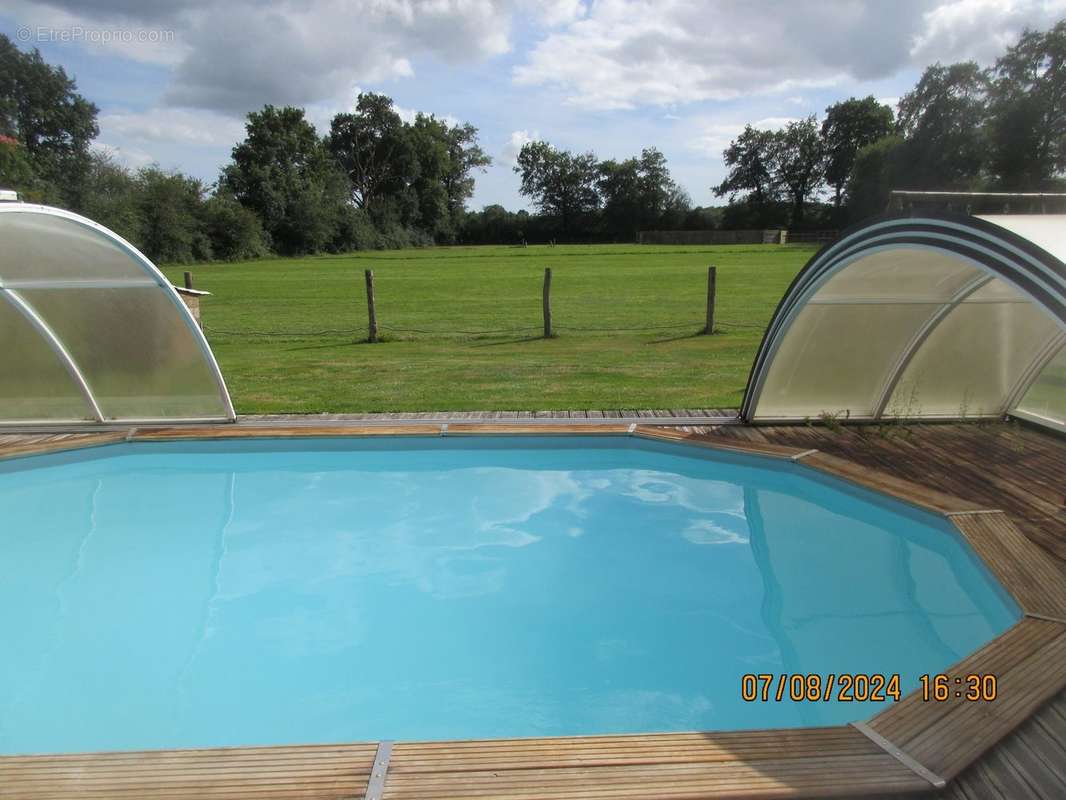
column 674, row 435
column 1024, row 569
column 303, row 431
column 883, row 482
column 14, row 446
column 946, row 737
column 540, row 429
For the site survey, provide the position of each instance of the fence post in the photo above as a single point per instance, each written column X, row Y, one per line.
column 371, row 313
column 188, row 280
column 712, row 277
column 547, row 302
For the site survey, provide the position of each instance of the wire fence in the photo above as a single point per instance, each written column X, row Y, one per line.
column 360, row 331
column 711, row 322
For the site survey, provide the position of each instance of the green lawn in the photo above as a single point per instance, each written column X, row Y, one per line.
column 435, row 304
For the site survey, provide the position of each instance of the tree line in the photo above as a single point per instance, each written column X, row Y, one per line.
column 961, row 128
column 373, row 181
column 378, row 181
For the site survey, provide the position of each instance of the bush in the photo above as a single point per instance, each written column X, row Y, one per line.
column 355, row 231
column 234, row 232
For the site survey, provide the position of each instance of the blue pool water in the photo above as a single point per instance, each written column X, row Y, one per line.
column 236, row 593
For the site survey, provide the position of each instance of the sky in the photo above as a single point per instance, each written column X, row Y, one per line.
column 174, row 80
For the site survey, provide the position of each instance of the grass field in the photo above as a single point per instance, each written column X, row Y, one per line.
column 462, row 327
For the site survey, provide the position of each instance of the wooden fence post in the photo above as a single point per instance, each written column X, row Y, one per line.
column 371, row 313
column 712, row 277
column 188, row 280
column 547, row 302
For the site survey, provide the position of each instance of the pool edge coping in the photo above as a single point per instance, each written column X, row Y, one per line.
column 912, row 733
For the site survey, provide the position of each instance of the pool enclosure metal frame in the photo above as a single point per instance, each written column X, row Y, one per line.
column 10, row 292
column 996, row 251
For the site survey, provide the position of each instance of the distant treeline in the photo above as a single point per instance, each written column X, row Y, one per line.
column 377, row 181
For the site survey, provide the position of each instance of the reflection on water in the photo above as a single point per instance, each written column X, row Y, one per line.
column 221, row 593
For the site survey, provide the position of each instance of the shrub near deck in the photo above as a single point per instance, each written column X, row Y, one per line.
column 656, row 294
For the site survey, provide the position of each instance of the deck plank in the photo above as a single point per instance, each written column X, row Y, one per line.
column 316, row 772
column 1030, row 664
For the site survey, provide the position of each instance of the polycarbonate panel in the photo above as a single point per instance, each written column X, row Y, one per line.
column 901, row 273
column 40, row 247
column 1043, row 230
column 835, row 359
column 134, row 348
column 1047, row 396
column 973, row 359
column 36, row 385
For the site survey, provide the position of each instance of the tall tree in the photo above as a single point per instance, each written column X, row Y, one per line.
column 561, row 183
column 942, row 120
column 849, row 126
column 800, row 163
column 465, row 156
column 1027, row 111
column 374, row 149
column 639, row 193
column 40, row 107
column 283, row 173
column 751, row 160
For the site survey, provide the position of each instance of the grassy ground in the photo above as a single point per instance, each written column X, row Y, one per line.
column 462, row 327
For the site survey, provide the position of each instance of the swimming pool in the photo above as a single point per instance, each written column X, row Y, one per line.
column 286, row 591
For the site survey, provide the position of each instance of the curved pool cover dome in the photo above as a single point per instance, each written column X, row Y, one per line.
column 92, row 331
column 922, row 317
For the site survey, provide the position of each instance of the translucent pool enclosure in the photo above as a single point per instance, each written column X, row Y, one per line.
column 922, row 317
column 92, row 332
column 907, row 317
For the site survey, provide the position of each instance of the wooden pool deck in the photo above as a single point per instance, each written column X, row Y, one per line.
column 1003, row 488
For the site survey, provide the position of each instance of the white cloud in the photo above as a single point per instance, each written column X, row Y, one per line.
column 558, row 12
column 126, row 156
column 509, row 153
column 979, row 29
column 628, row 53
column 172, row 125
column 714, row 136
column 233, row 57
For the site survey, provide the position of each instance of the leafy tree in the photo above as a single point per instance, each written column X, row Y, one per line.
column 751, row 159
column 1027, row 111
column 849, row 126
column 878, row 169
column 283, row 173
column 112, row 197
column 374, row 149
column 639, row 193
column 41, row 109
column 16, row 171
column 465, row 156
column 561, row 183
column 233, row 231
column 800, row 163
column 942, row 120
column 430, row 145
column 170, row 205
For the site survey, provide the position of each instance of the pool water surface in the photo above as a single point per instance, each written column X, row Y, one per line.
column 200, row 594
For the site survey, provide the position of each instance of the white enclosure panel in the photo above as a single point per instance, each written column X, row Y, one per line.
column 104, row 336
column 135, row 350
column 44, row 247
column 1046, row 398
column 971, row 362
column 899, row 273
column 836, row 359
column 34, row 383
